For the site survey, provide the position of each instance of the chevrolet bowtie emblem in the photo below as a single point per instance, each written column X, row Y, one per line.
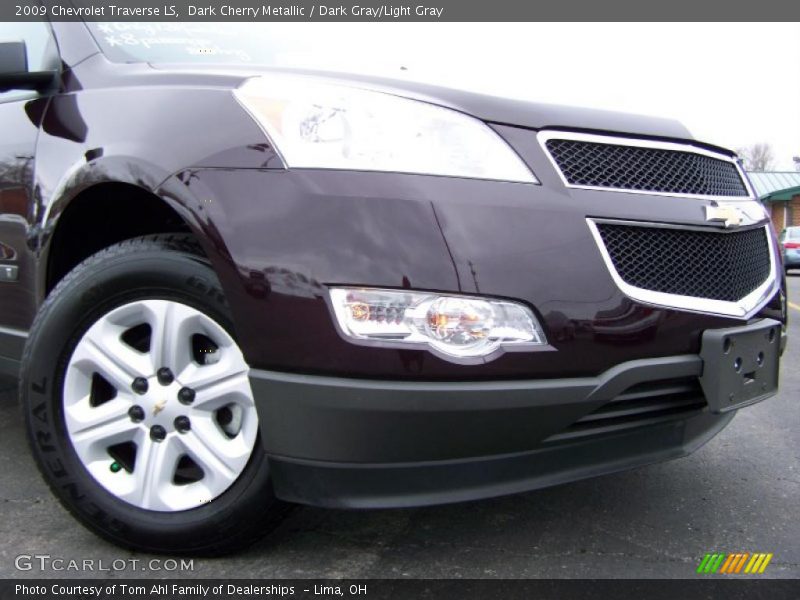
column 159, row 406
column 730, row 215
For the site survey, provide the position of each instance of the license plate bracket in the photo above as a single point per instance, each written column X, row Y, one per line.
column 740, row 364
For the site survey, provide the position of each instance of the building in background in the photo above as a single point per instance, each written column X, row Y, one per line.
column 780, row 193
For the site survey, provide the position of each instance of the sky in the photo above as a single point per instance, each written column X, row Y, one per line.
column 731, row 84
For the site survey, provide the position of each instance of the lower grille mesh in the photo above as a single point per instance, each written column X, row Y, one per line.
column 701, row 264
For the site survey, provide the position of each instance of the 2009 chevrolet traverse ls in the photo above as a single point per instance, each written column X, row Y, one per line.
column 228, row 288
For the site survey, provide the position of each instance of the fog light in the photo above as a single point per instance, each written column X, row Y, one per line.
column 459, row 328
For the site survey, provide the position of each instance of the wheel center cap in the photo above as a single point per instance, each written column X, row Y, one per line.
column 161, row 404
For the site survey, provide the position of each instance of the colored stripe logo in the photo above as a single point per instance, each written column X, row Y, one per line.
column 734, row 564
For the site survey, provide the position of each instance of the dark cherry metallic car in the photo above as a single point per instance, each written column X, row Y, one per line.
column 228, row 288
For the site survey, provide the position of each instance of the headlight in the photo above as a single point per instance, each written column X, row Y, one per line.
column 326, row 126
column 455, row 327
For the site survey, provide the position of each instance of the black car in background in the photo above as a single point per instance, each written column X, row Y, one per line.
column 227, row 288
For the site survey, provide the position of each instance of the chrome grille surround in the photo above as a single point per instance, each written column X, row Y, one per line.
column 672, row 147
column 743, row 307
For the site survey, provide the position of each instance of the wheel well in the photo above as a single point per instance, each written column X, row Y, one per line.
column 104, row 215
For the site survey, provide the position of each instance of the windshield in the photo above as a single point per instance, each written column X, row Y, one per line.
column 347, row 47
column 793, row 233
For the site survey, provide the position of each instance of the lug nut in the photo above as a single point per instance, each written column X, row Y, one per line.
column 186, row 395
column 157, row 433
column 136, row 413
column 139, row 385
column 182, row 424
column 165, row 376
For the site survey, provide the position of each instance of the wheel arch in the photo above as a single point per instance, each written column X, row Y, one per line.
column 99, row 215
column 112, row 198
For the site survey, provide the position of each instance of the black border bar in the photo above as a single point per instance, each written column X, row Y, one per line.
column 730, row 588
column 399, row 10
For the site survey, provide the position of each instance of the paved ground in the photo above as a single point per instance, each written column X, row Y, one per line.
column 741, row 492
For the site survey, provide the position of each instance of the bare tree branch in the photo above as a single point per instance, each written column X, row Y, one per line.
column 757, row 157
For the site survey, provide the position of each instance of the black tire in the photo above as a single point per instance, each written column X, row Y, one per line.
column 168, row 267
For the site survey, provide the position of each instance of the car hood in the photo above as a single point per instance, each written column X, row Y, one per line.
column 488, row 108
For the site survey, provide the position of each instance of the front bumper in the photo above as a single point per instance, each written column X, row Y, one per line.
column 279, row 239
column 367, row 444
column 349, row 425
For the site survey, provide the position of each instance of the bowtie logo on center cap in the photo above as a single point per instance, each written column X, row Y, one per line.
column 159, row 406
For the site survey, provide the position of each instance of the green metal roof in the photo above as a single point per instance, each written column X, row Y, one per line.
column 775, row 185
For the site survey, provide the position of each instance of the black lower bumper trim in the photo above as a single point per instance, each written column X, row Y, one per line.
column 396, row 486
column 12, row 343
column 339, row 420
column 9, row 366
column 359, row 443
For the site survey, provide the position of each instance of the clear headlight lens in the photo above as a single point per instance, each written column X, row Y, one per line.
column 327, row 126
column 456, row 327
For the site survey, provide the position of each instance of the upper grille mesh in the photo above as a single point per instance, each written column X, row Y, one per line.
column 701, row 264
column 645, row 169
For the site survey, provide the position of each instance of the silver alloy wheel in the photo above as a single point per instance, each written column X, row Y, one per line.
column 158, row 405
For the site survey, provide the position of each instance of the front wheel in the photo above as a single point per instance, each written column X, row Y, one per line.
column 138, row 404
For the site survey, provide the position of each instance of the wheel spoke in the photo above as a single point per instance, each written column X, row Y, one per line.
column 94, row 437
column 172, row 327
column 211, row 450
column 218, row 393
column 82, row 416
column 142, row 470
column 91, row 357
column 230, row 367
column 153, row 473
